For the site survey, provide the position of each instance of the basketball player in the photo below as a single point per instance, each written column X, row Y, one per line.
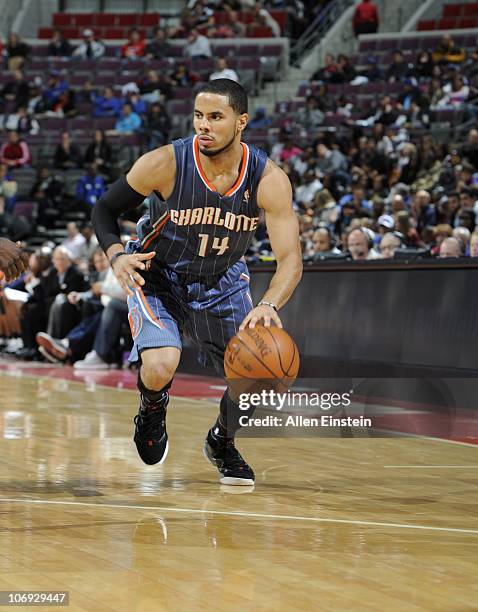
column 13, row 260
column 186, row 271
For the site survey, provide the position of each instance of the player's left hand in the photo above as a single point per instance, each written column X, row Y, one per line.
column 261, row 313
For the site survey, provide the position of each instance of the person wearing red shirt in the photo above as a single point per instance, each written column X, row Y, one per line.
column 365, row 19
column 134, row 47
column 15, row 152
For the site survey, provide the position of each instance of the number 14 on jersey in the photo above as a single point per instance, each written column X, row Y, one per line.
column 218, row 244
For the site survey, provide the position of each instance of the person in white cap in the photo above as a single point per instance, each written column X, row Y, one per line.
column 90, row 48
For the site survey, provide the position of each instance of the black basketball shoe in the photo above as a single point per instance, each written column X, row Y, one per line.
column 150, row 434
column 222, row 453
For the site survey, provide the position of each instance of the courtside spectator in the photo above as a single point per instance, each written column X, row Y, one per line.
column 198, row 46
column 135, row 47
column 359, row 243
column 365, row 19
column 90, row 48
column 16, row 51
column 15, row 153
column 450, row 247
column 223, row 72
column 67, row 153
column 59, row 46
column 474, row 245
column 390, row 243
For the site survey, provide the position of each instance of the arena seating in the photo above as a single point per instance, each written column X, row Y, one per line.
column 454, row 16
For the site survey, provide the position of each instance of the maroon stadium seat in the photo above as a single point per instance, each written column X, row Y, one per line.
column 452, row 10
column 471, row 9
column 280, row 17
column 149, row 20
column 104, row 19
column 45, row 32
column 114, row 33
column 128, row 20
column 25, row 209
column 60, row 20
column 426, row 24
column 84, row 20
column 468, row 22
column 447, row 24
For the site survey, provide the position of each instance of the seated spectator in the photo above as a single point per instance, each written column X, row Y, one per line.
column 310, row 115
column 8, row 187
column 389, row 244
column 154, row 88
column 345, row 71
column 99, row 152
column 456, row 92
column 54, row 87
column 183, row 77
column 90, row 188
column 424, row 211
column 398, row 69
column 74, row 240
column 223, row 72
column 284, row 151
column 129, row 121
column 135, row 47
column 360, row 244
column 325, row 73
column 87, row 250
column 365, row 19
column 59, row 46
column 133, row 98
column 106, row 105
column 15, row 153
column 22, row 122
column 469, row 150
column 259, row 120
column 322, row 242
column 447, row 52
column 463, row 235
column 13, row 227
column 198, row 46
column 62, row 278
column 157, row 126
column 442, row 231
column 450, row 247
column 466, row 218
column 423, row 67
column 305, row 194
column 47, row 191
column 16, row 90
column 159, row 47
column 474, row 245
column 371, row 72
column 90, row 48
column 406, row 225
column 16, row 51
column 260, row 16
column 67, row 153
column 201, row 14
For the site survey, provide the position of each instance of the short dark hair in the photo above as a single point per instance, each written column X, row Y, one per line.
column 227, row 87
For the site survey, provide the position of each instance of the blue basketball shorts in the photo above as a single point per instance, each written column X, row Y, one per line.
column 169, row 309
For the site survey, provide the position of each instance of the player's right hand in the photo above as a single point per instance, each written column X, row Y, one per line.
column 13, row 260
column 125, row 269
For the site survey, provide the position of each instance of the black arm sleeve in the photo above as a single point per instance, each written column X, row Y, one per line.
column 119, row 198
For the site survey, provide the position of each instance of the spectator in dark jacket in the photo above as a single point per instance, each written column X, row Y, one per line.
column 16, row 51
column 16, row 90
column 59, row 46
column 398, row 69
column 67, row 154
column 157, row 126
column 159, row 46
column 99, row 152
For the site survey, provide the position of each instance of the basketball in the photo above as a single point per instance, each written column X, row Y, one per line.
column 262, row 353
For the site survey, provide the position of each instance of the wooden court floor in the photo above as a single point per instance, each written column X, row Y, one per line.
column 332, row 524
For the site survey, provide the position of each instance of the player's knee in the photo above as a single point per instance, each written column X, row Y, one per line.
column 158, row 369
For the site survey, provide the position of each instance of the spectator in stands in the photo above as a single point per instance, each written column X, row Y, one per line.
column 463, row 235
column 87, row 250
column 154, row 88
column 90, row 188
column 159, row 47
column 305, row 194
column 62, row 278
column 330, row 160
column 423, row 67
column 456, row 92
column 182, row 76
column 259, row 120
column 474, row 245
column 106, row 105
column 157, row 126
column 16, row 51
column 15, row 153
column 129, row 121
column 345, row 71
column 466, row 218
column 59, row 46
column 365, row 19
column 198, row 46
column 360, row 244
column 310, row 115
column 135, row 47
column 424, row 211
column 325, row 73
column 285, row 150
column 261, row 17
column 55, row 86
column 447, row 52
column 99, row 152
column 223, row 72
column 21, row 122
column 14, row 227
column 450, row 247
column 16, row 90
column 442, row 231
column 67, row 153
column 74, row 240
column 469, row 150
column 398, row 69
column 389, row 244
column 8, row 188
column 90, row 48
column 406, row 225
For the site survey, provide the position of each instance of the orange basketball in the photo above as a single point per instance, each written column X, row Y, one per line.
column 262, row 353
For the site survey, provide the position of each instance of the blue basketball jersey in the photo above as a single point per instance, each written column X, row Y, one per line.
column 197, row 231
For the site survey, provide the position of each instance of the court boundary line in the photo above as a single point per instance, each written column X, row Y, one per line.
column 313, row 519
column 466, row 467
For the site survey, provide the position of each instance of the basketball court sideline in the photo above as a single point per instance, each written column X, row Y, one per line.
column 332, row 524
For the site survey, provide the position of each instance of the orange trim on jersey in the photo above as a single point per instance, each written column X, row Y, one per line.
column 157, row 231
column 143, row 299
column 202, row 174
